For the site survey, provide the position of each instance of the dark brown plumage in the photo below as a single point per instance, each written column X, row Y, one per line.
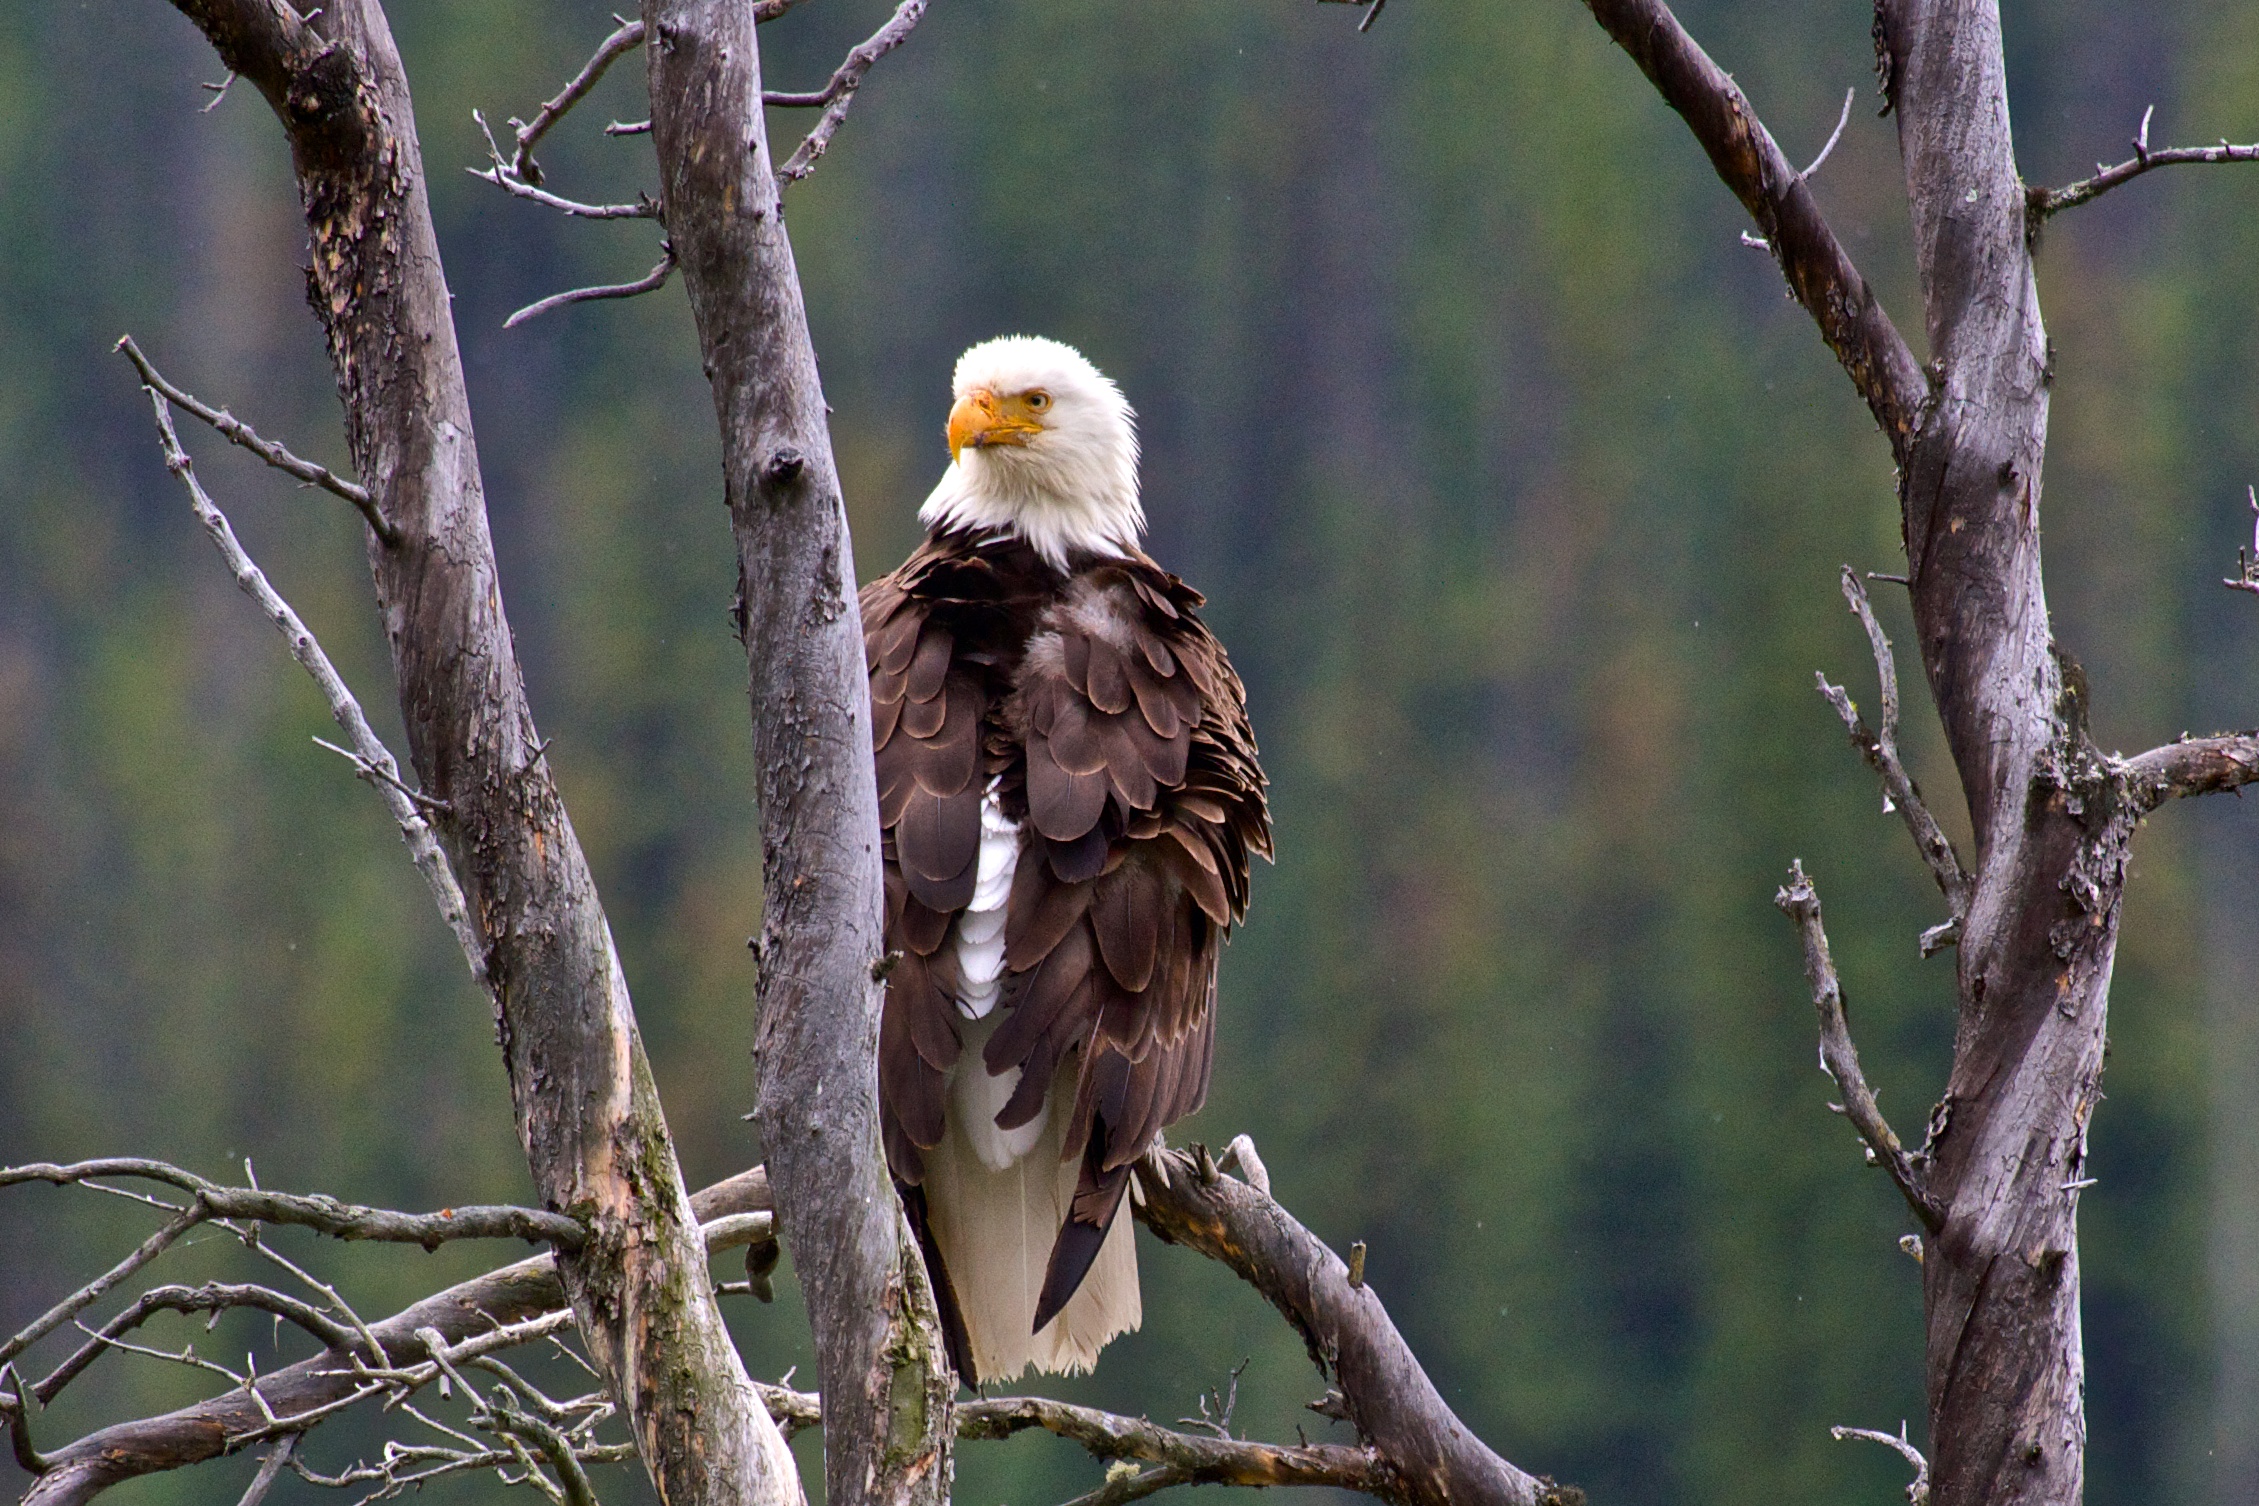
column 1114, row 732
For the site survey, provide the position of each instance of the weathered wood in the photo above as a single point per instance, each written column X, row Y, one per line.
column 885, row 1378
column 1819, row 271
column 586, row 1109
column 2053, row 819
column 2001, row 1279
column 226, row 1423
column 1431, row 1456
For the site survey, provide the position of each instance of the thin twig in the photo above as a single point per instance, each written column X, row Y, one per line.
column 1918, row 1493
column 1833, row 137
column 2039, row 203
column 503, row 176
column 1134, row 1484
column 249, row 1234
column 845, row 80
column 2246, row 577
column 628, row 128
column 650, row 282
column 321, row 1213
column 1217, row 1460
column 1800, row 902
column 614, row 47
column 1880, row 748
column 270, row 1469
column 362, row 768
column 17, row 1405
column 239, row 432
column 213, row 1297
column 78, row 1301
column 187, row 1356
column 423, row 848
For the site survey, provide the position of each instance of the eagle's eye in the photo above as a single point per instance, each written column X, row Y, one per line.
column 1038, row 400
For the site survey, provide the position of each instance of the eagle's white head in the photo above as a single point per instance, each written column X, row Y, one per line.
column 1041, row 445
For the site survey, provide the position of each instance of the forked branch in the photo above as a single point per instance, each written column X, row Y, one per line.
column 1383, row 1392
column 1191, row 1458
column 1918, row 1490
column 406, row 805
column 514, row 1305
column 1880, row 748
column 238, row 432
column 838, row 96
column 1800, row 902
column 2039, row 202
column 1820, row 272
column 529, row 133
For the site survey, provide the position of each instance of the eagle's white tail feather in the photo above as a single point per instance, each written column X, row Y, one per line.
column 996, row 1227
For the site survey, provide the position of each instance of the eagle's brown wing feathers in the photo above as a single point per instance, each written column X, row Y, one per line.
column 1119, row 735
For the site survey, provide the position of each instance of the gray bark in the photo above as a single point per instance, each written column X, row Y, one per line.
column 229, row 1422
column 586, row 1109
column 886, row 1381
column 2001, row 1278
column 1428, row 1457
column 2052, row 817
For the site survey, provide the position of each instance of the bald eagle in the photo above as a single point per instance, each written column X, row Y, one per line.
column 1069, row 794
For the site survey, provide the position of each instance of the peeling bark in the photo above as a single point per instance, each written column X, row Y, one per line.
column 1427, row 1456
column 586, row 1109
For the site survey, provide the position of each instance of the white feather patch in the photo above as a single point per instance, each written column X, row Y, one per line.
column 980, row 925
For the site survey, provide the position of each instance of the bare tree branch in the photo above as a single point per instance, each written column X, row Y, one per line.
column 2041, row 202
column 212, row 1297
column 586, row 1108
column 1800, row 902
column 2192, row 766
column 1435, row 1458
column 503, row 1308
column 239, row 432
column 1880, row 749
column 1819, row 272
column 2246, row 577
column 881, row 1362
column 270, row 1470
column 838, row 96
column 1834, row 136
column 1918, row 1492
column 324, row 1215
column 16, row 1404
column 1196, row 1460
column 529, row 133
column 87, row 1295
column 503, row 174
column 406, row 806
column 650, row 282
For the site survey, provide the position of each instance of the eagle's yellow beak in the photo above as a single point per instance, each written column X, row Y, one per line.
column 982, row 418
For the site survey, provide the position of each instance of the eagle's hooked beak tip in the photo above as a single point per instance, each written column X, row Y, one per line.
column 979, row 421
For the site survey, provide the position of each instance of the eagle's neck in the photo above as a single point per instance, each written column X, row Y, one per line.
column 1062, row 503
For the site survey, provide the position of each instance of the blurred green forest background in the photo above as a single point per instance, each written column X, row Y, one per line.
column 1519, row 490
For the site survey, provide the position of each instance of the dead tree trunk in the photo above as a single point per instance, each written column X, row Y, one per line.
column 1996, row 1187
column 2001, row 1278
column 585, row 1106
column 886, row 1381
